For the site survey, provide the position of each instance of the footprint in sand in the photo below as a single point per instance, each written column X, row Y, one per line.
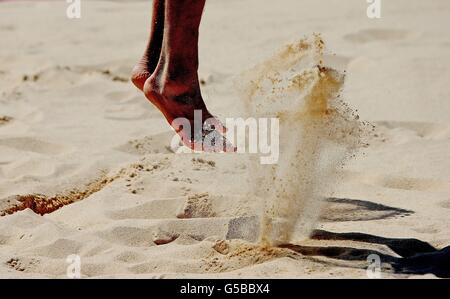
column 155, row 144
column 375, row 35
column 30, row 144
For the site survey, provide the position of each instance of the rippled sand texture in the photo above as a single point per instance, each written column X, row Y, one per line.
column 86, row 168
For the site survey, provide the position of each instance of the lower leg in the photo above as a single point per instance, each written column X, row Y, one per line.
column 180, row 47
column 176, row 76
column 174, row 85
column 149, row 60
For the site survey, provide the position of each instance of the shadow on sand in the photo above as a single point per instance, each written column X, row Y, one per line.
column 345, row 209
column 416, row 256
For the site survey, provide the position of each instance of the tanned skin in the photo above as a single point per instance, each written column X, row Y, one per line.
column 168, row 71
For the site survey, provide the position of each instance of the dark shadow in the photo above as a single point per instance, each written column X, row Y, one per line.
column 344, row 209
column 402, row 247
column 417, row 257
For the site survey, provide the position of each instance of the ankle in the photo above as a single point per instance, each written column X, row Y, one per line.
column 178, row 93
column 175, row 87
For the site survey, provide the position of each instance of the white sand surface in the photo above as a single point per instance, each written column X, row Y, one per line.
column 74, row 128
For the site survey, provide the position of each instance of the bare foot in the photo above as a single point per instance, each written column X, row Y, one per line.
column 177, row 101
column 183, row 105
column 167, row 74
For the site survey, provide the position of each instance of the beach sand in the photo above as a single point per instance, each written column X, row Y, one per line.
column 79, row 144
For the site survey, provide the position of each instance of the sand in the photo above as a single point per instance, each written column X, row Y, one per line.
column 86, row 166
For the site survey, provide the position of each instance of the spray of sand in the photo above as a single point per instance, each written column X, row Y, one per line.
column 318, row 133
